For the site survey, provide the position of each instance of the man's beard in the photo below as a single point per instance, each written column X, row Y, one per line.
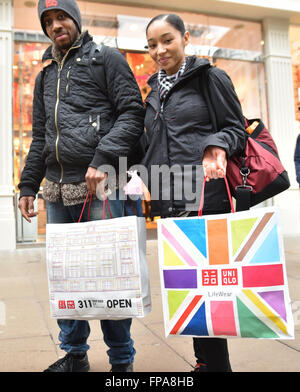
column 63, row 47
column 58, row 51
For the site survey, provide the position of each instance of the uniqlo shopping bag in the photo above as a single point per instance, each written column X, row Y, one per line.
column 98, row 269
column 225, row 276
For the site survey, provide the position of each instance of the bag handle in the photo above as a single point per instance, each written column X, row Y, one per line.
column 202, row 196
column 105, row 202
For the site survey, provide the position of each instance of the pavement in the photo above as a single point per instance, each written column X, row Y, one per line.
column 29, row 336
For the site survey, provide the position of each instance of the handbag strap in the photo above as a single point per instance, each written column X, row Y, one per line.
column 242, row 192
column 105, row 202
column 202, row 196
column 243, row 197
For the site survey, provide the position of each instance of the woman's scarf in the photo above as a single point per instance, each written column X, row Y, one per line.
column 166, row 82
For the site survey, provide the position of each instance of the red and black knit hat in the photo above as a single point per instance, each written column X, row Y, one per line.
column 69, row 6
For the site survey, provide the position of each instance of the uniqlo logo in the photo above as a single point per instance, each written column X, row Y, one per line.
column 210, row 277
column 61, row 304
column 229, row 277
column 51, row 3
column 70, row 304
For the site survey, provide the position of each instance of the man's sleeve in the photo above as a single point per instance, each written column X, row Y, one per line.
column 34, row 170
column 125, row 95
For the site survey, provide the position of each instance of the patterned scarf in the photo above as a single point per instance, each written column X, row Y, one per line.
column 166, row 82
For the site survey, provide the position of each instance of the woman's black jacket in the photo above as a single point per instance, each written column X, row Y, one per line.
column 179, row 132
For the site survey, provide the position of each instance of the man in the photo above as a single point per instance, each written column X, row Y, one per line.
column 77, row 127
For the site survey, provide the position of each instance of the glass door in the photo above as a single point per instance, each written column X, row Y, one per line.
column 27, row 64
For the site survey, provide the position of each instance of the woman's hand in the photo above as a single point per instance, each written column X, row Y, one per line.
column 214, row 162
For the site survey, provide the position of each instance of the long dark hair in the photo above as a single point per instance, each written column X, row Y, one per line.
column 173, row 19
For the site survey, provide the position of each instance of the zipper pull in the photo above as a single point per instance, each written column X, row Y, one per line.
column 98, row 123
column 157, row 113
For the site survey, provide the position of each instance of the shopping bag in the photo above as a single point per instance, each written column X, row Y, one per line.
column 98, row 269
column 224, row 275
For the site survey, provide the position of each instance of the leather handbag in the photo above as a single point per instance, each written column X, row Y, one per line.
column 257, row 174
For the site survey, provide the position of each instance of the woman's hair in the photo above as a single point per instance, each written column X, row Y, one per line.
column 173, row 19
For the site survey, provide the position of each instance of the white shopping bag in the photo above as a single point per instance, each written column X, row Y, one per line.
column 224, row 275
column 98, row 269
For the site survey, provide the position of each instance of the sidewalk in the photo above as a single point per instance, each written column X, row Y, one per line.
column 28, row 336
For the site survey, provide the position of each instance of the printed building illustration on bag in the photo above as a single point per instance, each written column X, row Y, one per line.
column 86, row 258
column 224, row 275
column 98, row 269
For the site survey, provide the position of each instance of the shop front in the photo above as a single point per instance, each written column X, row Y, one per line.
column 253, row 46
column 234, row 45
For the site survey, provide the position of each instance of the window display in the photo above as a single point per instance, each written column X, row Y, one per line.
column 295, row 51
column 27, row 64
column 143, row 67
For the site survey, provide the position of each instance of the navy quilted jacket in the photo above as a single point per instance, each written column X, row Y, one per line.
column 75, row 124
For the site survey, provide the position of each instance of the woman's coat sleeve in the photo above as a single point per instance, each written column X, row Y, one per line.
column 231, row 134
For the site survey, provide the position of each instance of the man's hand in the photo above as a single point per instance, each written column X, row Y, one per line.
column 96, row 178
column 214, row 162
column 27, row 207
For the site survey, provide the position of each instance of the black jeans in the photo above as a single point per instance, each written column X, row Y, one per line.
column 213, row 352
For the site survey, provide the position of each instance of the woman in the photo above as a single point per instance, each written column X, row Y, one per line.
column 180, row 133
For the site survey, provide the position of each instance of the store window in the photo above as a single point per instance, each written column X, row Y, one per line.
column 249, row 81
column 295, row 51
column 27, row 64
column 233, row 45
column 126, row 24
column 143, row 67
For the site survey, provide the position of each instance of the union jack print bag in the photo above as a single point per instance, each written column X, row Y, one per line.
column 225, row 275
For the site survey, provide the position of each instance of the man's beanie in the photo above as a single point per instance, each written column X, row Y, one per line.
column 69, row 6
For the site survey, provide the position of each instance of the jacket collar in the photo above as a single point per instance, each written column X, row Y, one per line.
column 193, row 65
column 50, row 51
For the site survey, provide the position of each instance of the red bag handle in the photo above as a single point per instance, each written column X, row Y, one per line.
column 105, row 202
column 202, row 196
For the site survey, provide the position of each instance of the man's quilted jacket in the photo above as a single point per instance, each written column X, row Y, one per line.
column 75, row 123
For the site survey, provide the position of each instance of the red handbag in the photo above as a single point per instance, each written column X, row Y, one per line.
column 258, row 173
